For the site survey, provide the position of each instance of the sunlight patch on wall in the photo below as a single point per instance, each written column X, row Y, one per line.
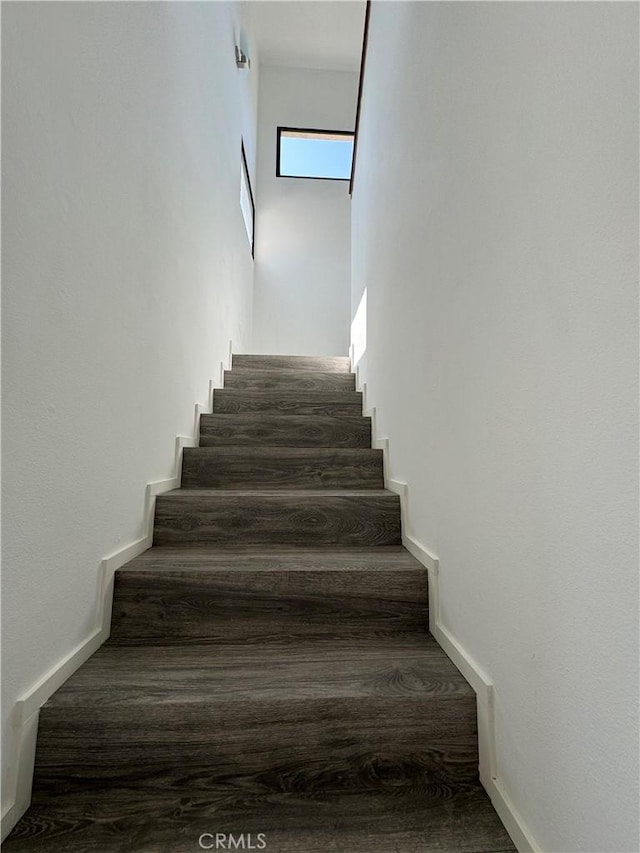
column 359, row 330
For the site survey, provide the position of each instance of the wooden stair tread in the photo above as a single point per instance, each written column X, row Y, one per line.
column 281, row 467
column 380, row 558
column 284, row 453
column 358, row 517
column 436, row 819
column 398, row 669
column 283, row 374
column 283, row 402
column 289, row 716
column 285, row 430
column 280, row 494
column 309, row 380
column 267, row 595
column 328, row 363
column 288, row 420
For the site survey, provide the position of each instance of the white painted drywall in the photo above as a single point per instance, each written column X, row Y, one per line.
column 495, row 228
column 126, row 270
column 302, row 282
column 310, row 34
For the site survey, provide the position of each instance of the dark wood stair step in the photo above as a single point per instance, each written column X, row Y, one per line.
column 297, row 517
column 273, row 430
column 223, row 595
column 288, row 380
column 286, row 467
column 292, row 716
column 332, row 403
column 166, row 819
column 317, row 363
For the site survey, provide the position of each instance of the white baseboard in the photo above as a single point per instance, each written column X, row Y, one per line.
column 510, row 817
column 468, row 666
column 24, row 721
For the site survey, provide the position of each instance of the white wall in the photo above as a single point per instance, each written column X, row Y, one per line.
column 495, row 227
column 302, row 284
column 126, row 271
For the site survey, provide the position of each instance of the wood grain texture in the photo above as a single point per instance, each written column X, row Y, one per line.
column 394, row 668
column 289, row 380
column 298, row 717
column 170, row 600
column 331, row 558
column 317, row 363
column 332, row 403
column 281, row 467
column 169, row 819
column 270, row 430
column 346, row 517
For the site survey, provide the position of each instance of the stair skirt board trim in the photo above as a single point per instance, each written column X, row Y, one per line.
column 470, row 669
column 24, row 720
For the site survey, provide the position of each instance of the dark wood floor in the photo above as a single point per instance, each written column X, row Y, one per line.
column 270, row 669
column 435, row 819
column 258, row 594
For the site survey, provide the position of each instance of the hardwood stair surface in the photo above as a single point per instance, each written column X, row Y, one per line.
column 259, row 594
column 270, row 668
column 315, row 715
column 319, row 364
column 269, row 430
column 230, row 401
column 282, row 467
column 138, row 819
column 288, row 380
column 300, row 517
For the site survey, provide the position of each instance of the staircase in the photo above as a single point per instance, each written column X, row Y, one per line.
column 270, row 682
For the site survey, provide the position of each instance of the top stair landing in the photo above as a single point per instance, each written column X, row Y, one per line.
column 315, row 363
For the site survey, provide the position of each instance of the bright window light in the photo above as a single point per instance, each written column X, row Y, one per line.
column 324, row 154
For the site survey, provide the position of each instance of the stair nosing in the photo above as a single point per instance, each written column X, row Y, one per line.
column 280, row 493
column 285, row 449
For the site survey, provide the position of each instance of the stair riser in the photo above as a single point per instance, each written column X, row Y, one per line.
column 284, row 431
column 285, row 380
column 301, row 745
column 208, row 606
column 270, row 468
column 332, row 403
column 296, row 520
column 318, row 364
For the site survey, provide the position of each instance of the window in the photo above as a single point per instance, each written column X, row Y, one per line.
column 246, row 199
column 324, row 154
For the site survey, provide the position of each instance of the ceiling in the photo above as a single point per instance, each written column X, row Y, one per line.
column 309, row 33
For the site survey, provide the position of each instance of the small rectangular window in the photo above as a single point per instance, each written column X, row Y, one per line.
column 246, row 200
column 320, row 154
